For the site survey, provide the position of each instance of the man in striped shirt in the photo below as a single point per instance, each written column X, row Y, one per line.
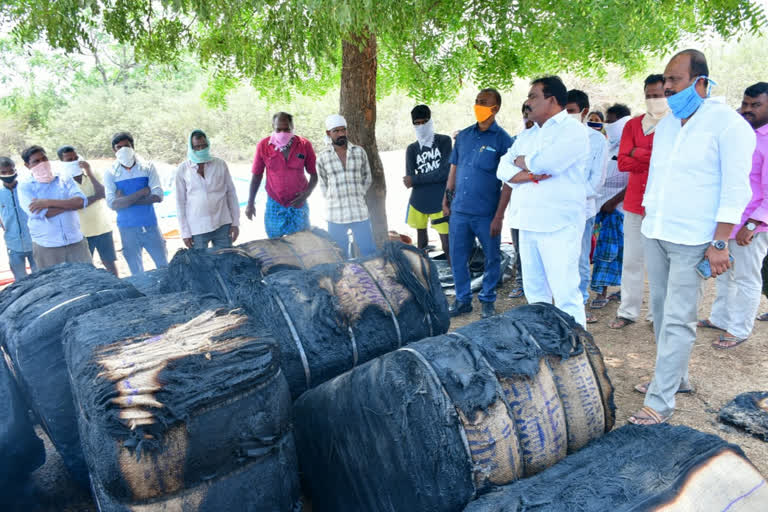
column 345, row 177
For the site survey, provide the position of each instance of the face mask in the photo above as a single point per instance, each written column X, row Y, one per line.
column 595, row 125
column 42, row 172
column 280, row 139
column 199, row 156
column 425, row 133
column 126, row 156
column 656, row 107
column 613, row 131
column 576, row 116
column 684, row 103
column 482, row 113
column 8, row 178
column 71, row 169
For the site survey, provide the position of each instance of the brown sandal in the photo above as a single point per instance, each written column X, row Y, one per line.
column 643, row 388
column 647, row 416
column 726, row 342
column 620, row 322
column 706, row 324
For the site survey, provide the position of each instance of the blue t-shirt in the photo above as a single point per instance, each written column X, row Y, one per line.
column 128, row 181
column 476, row 156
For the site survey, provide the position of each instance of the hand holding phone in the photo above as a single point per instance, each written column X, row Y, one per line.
column 705, row 271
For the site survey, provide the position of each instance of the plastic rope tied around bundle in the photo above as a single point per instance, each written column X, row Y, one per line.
column 33, row 313
column 21, row 451
column 184, row 407
column 149, row 282
column 748, row 411
column 640, row 468
column 335, row 317
column 434, row 423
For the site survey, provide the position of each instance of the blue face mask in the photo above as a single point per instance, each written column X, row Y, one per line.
column 684, row 103
column 199, row 156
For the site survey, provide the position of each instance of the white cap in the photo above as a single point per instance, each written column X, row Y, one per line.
column 334, row 121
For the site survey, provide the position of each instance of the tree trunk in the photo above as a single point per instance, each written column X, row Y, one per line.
column 358, row 106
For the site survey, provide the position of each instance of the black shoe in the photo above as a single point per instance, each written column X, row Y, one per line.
column 459, row 308
column 489, row 309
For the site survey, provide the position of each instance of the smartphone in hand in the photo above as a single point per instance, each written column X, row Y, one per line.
column 705, row 271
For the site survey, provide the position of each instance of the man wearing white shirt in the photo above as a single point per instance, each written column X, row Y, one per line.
column 698, row 187
column 577, row 107
column 206, row 200
column 545, row 168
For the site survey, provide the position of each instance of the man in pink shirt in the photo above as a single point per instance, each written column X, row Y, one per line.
column 286, row 157
column 738, row 290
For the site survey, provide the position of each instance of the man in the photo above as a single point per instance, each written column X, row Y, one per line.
column 608, row 255
column 13, row 220
column 50, row 203
column 698, row 188
column 578, row 108
column 206, row 201
column 511, row 219
column 476, row 202
column 132, row 187
column 634, row 159
column 286, row 157
column 546, row 169
column 427, row 164
column 345, row 177
column 95, row 223
column 738, row 289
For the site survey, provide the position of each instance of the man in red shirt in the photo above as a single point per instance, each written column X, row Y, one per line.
column 635, row 158
column 286, row 157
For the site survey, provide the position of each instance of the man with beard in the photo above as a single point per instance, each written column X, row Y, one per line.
column 345, row 177
column 698, row 188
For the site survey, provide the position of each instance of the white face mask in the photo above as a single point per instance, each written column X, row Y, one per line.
column 425, row 133
column 70, row 169
column 656, row 107
column 126, row 156
column 576, row 116
column 615, row 129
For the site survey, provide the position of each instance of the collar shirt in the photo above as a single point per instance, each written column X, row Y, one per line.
column 204, row 204
column 699, row 175
column 344, row 186
column 127, row 181
column 504, row 173
column 476, row 156
column 615, row 181
column 95, row 219
column 757, row 208
column 16, row 232
column 285, row 168
column 59, row 230
column 560, row 148
column 595, row 171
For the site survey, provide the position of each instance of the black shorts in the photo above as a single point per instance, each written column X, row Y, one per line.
column 105, row 244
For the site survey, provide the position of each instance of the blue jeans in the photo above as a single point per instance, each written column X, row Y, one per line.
column 361, row 232
column 18, row 260
column 586, row 246
column 218, row 237
column 143, row 237
column 463, row 230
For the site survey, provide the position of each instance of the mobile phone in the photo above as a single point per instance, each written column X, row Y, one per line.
column 705, row 271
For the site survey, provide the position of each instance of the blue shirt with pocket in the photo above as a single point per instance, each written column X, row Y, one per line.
column 14, row 219
column 128, row 181
column 476, row 156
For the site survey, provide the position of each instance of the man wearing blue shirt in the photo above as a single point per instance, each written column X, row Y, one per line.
column 13, row 220
column 132, row 186
column 476, row 202
column 50, row 203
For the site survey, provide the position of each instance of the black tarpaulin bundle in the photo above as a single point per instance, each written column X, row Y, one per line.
column 183, row 407
column 640, row 468
column 33, row 313
column 298, row 251
column 430, row 425
column 748, row 411
column 21, row 451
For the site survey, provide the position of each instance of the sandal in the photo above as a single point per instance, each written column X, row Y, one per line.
column 615, row 296
column 647, row 416
column 706, row 324
column 726, row 342
column 763, row 317
column 516, row 293
column 620, row 322
column 591, row 319
column 598, row 303
column 643, row 388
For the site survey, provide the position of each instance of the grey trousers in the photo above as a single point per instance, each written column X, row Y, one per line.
column 73, row 253
column 674, row 291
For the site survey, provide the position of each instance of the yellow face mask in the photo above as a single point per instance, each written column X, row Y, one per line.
column 482, row 113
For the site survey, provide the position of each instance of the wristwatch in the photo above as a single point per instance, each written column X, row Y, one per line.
column 718, row 244
column 751, row 226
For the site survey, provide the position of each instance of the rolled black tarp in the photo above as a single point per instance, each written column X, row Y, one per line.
column 183, row 407
column 33, row 313
column 149, row 282
column 21, row 451
column 748, row 411
column 298, row 251
column 432, row 424
column 640, row 468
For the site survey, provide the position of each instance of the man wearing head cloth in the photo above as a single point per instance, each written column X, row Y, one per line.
column 206, row 200
column 427, row 164
column 286, row 157
column 345, row 177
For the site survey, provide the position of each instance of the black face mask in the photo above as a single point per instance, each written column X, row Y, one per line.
column 8, row 179
column 341, row 141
